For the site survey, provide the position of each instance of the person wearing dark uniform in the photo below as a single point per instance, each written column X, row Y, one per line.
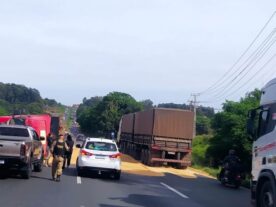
column 59, row 149
column 68, row 155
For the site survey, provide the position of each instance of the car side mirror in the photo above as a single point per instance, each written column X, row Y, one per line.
column 78, row 146
column 42, row 138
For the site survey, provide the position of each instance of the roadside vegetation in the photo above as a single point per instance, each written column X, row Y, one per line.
column 101, row 115
column 228, row 131
column 18, row 99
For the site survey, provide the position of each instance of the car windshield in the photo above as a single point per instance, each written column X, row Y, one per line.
column 16, row 132
column 101, row 146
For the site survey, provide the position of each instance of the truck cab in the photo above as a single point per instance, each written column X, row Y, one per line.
column 261, row 127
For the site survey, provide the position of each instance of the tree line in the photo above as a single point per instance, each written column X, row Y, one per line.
column 19, row 99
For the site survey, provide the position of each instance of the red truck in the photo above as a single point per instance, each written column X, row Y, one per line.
column 43, row 124
column 159, row 136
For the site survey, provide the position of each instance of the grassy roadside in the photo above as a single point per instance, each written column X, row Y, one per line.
column 214, row 171
column 210, row 171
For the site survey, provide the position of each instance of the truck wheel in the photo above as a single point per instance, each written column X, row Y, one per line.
column 180, row 166
column 26, row 174
column 149, row 162
column 143, row 156
column 267, row 198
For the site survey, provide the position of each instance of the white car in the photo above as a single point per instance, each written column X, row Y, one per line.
column 99, row 155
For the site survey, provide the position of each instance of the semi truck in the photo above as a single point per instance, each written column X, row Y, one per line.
column 158, row 136
column 261, row 128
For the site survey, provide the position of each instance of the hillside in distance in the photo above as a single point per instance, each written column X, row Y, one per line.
column 19, row 99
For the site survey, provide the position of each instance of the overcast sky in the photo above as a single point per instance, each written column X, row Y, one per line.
column 162, row 50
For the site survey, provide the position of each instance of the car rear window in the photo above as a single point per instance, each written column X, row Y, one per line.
column 16, row 132
column 101, row 146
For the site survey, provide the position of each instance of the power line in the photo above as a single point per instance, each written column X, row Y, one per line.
column 248, row 61
column 251, row 78
column 232, row 83
column 224, row 76
column 254, row 75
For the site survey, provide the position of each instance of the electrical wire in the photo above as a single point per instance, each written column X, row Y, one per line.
column 250, row 60
column 225, row 75
column 246, row 70
column 253, row 76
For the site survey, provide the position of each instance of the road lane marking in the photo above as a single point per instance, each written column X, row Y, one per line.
column 78, row 180
column 174, row 190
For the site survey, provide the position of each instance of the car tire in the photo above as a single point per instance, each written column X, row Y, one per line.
column 79, row 171
column 39, row 166
column 26, row 174
column 117, row 176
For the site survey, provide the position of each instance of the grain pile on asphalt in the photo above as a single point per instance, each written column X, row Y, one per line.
column 132, row 166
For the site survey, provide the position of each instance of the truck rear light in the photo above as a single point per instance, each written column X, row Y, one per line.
column 23, row 149
column 85, row 153
column 115, row 156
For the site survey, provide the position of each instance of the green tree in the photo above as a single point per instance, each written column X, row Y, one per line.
column 18, row 99
column 147, row 104
column 203, row 125
column 99, row 117
column 230, row 129
column 200, row 146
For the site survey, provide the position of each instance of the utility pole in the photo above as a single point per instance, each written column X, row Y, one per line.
column 194, row 103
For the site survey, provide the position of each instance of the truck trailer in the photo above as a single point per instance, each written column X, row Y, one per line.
column 158, row 136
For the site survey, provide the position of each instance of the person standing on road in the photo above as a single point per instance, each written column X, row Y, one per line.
column 58, row 150
column 68, row 155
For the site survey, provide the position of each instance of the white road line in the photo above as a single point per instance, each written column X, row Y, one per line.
column 78, row 180
column 175, row 191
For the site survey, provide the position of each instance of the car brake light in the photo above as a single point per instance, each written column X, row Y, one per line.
column 83, row 152
column 23, row 149
column 115, row 156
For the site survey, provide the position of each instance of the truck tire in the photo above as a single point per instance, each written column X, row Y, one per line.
column 133, row 150
column 266, row 198
column 26, row 174
column 180, row 166
column 148, row 160
column 143, row 156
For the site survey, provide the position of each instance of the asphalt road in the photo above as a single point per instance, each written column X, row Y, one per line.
column 131, row 190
